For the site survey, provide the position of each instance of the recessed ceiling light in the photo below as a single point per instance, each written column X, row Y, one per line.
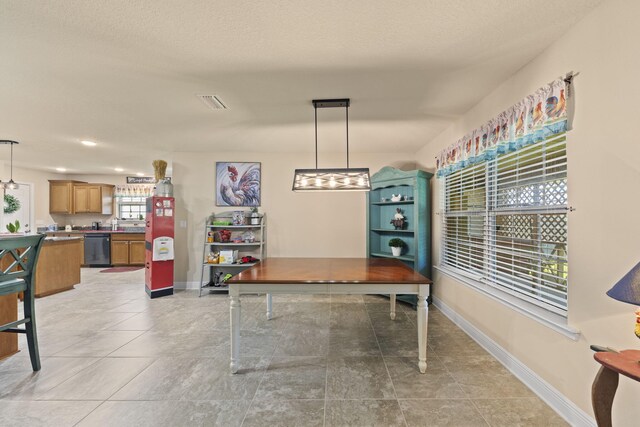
column 139, row 174
column 61, row 169
column 89, row 143
column 119, row 170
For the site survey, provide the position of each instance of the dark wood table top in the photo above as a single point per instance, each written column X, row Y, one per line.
column 330, row 270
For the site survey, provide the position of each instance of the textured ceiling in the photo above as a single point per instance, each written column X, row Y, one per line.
column 126, row 73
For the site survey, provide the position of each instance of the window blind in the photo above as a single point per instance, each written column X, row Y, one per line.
column 505, row 223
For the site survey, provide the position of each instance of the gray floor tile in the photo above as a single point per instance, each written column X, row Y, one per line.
column 437, row 382
column 294, row 378
column 98, row 381
column 363, row 413
column 34, row 413
column 167, row 413
column 358, row 378
column 303, row 342
column 285, row 413
column 100, row 344
column 175, row 344
column 518, row 412
column 194, row 379
column 441, row 412
column 353, row 342
column 19, row 382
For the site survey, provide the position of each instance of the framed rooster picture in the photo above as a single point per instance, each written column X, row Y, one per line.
column 237, row 184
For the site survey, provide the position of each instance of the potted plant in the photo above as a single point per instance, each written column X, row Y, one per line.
column 14, row 227
column 396, row 246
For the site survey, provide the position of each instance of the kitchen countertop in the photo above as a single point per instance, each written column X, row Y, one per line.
column 97, row 231
column 60, row 239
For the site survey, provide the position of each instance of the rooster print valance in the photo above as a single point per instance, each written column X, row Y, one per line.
column 535, row 118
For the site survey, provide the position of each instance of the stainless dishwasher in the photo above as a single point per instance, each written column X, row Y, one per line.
column 97, row 249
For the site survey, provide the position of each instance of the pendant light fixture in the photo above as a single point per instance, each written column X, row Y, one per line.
column 336, row 179
column 11, row 185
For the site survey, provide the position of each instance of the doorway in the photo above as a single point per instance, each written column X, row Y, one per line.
column 18, row 206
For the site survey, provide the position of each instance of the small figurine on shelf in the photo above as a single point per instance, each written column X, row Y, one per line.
column 398, row 219
column 255, row 216
column 396, row 197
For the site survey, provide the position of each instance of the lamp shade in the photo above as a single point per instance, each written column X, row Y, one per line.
column 628, row 288
column 353, row 179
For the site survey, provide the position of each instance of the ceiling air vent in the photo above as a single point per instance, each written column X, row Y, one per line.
column 212, row 101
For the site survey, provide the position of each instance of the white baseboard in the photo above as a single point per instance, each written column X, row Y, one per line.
column 556, row 400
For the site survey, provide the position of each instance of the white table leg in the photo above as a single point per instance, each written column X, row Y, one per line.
column 234, row 311
column 269, row 307
column 392, row 302
column 423, row 319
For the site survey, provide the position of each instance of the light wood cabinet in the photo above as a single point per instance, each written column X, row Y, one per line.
column 119, row 252
column 77, row 197
column 78, row 235
column 127, row 249
column 61, row 196
column 136, row 252
column 93, row 198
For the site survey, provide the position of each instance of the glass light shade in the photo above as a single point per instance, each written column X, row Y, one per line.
column 11, row 185
column 351, row 179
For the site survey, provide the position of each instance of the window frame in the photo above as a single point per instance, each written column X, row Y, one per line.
column 121, row 202
column 465, row 265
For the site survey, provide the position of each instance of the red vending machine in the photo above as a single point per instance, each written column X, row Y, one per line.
column 158, row 274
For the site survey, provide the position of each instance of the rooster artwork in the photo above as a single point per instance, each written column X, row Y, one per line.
column 238, row 184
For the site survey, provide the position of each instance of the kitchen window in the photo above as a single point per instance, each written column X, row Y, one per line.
column 131, row 207
column 504, row 224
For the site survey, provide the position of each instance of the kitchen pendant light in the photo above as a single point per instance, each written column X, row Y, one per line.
column 11, row 185
column 336, row 179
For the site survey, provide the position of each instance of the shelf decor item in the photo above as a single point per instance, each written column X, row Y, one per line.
column 398, row 220
column 237, row 218
column 396, row 245
column 237, row 184
column 406, row 217
column 255, row 216
column 334, row 179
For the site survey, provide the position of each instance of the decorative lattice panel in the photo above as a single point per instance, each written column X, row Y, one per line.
column 553, row 228
column 515, row 226
column 555, row 193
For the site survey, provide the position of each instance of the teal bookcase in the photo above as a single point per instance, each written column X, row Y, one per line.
column 414, row 188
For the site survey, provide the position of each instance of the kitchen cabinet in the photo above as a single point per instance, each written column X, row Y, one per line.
column 61, row 196
column 93, row 198
column 58, row 266
column 78, row 235
column 127, row 249
column 75, row 197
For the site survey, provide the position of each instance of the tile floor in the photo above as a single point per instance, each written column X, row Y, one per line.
column 112, row 357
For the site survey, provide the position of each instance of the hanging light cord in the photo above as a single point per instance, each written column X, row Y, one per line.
column 315, row 109
column 11, row 162
column 347, row 114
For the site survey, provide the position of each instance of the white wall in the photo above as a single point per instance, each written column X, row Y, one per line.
column 298, row 224
column 604, row 185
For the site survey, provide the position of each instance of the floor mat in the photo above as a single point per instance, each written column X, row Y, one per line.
column 120, row 269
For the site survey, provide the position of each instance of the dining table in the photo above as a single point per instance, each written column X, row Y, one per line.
column 278, row 276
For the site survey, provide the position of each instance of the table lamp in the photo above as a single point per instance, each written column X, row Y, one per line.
column 628, row 290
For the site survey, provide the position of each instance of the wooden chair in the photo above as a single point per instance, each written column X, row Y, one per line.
column 18, row 259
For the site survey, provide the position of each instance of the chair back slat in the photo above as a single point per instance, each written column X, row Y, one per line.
column 21, row 254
